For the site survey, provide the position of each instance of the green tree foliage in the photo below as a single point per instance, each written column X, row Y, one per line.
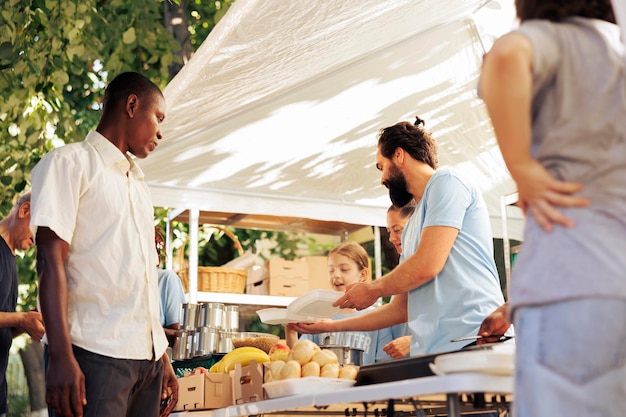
column 204, row 15
column 55, row 59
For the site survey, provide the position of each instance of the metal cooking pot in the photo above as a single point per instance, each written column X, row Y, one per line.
column 346, row 354
column 184, row 347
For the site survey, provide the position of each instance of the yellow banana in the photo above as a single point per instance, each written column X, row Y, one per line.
column 216, row 367
column 241, row 355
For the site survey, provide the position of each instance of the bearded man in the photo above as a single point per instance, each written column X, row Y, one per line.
column 446, row 282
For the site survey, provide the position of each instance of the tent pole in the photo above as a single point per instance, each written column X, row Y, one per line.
column 378, row 252
column 169, row 250
column 194, row 216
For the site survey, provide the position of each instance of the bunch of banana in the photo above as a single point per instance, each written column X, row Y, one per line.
column 240, row 355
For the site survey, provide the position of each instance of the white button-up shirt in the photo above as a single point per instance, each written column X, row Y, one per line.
column 94, row 197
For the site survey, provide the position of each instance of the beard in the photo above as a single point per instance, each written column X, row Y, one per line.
column 397, row 186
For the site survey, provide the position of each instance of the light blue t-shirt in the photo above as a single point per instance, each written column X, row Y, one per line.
column 172, row 295
column 372, row 342
column 467, row 289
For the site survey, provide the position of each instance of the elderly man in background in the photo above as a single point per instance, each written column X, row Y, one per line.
column 15, row 235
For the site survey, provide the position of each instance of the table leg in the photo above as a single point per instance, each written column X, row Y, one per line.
column 452, row 400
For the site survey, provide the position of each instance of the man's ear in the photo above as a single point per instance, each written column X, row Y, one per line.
column 398, row 155
column 24, row 210
column 132, row 103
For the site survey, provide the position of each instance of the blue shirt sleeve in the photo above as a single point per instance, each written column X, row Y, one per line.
column 447, row 200
column 172, row 296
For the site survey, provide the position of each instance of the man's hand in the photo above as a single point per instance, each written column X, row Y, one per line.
column 169, row 388
column 399, row 347
column 321, row 326
column 359, row 295
column 32, row 323
column 65, row 387
column 494, row 325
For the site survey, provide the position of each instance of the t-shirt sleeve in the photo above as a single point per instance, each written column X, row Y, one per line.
column 174, row 297
column 546, row 50
column 384, row 336
column 56, row 182
column 447, row 200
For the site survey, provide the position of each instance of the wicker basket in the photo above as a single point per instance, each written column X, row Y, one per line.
column 215, row 278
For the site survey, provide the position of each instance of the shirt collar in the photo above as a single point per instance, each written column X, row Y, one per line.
column 111, row 155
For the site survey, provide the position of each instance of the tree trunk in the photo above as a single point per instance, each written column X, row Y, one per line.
column 176, row 22
column 32, row 358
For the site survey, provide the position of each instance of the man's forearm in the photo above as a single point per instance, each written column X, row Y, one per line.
column 379, row 318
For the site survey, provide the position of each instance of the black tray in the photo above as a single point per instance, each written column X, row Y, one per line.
column 407, row 368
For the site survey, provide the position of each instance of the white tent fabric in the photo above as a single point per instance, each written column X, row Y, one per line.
column 278, row 111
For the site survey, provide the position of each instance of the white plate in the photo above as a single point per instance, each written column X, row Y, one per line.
column 308, row 308
column 281, row 316
column 306, row 385
column 498, row 361
column 316, row 303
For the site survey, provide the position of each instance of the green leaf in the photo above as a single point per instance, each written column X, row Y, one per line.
column 129, row 36
column 60, row 78
column 6, row 51
column 7, row 15
column 33, row 138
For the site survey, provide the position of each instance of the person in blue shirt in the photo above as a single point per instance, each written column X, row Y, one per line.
column 397, row 218
column 348, row 263
column 447, row 282
column 171, row 293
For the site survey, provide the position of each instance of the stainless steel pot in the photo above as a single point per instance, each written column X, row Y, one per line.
column 189, row 315
column 212, row 315
column 346, row 354
column 184, row 347
column 207, row 340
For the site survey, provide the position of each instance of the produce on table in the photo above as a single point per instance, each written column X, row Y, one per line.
column 303, row 351
column 348, row 371
column 311, row 369
column 306, row 359
column 330, row 370
column 292, row 369
column 279, row 352
column 242, row 356
column 273, row 368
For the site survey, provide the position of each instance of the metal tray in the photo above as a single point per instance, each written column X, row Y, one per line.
column 408, row 368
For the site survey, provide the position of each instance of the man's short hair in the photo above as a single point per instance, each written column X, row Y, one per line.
column 126, row 84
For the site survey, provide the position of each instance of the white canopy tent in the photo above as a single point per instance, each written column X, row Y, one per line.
column 277, row 113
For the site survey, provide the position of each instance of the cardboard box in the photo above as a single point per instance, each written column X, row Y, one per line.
column 258, row 281
column 317, row 267
column 318, row 271
column 288, row 286
column 204, row 391
column 259, row 287
column 287, row 278
column 247, row 383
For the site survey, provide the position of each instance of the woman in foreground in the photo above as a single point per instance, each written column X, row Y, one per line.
column 555, row 90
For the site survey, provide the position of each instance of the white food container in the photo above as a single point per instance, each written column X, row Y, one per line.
column 306, row 385
column 311, row 307
column 499, row 360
